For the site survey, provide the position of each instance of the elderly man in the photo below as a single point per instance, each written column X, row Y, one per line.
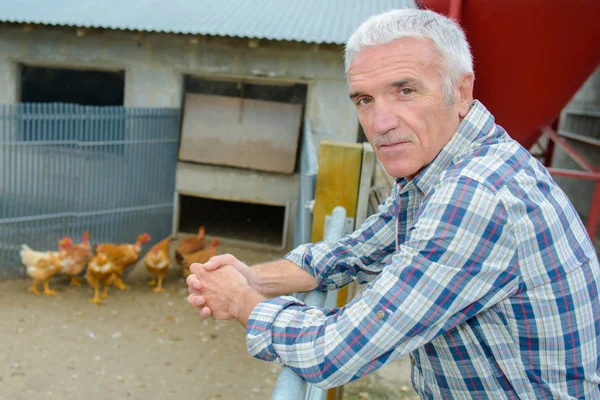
column 480, row 268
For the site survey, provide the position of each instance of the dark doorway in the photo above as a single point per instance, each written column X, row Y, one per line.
column 251, row 222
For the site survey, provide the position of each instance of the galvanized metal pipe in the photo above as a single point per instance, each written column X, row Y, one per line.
column 289, row 385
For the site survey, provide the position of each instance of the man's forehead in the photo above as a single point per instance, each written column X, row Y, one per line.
column 403, row 58
column 404, row 47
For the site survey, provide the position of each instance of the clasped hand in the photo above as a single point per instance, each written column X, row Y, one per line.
column 216, row 287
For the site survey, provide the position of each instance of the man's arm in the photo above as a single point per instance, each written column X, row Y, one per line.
column 326, row 265
column 265, row 280
column 281, row 277
column 269, row 279
column 458, row 260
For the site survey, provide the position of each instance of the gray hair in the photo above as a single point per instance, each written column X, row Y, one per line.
column 446, row 34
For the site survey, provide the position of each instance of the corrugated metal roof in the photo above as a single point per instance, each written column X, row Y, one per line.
column 313, row 21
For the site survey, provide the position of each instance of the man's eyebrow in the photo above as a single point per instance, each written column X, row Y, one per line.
column 403, row 82
column 400, row 83
column 355, row 95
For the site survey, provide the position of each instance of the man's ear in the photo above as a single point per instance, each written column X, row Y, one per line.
column 464, row 91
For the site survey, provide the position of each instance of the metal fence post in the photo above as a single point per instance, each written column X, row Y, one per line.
column 290, row 386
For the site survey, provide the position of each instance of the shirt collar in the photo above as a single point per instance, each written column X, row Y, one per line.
column 477, row 123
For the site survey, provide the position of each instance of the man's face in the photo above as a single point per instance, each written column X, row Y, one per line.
column 398, row 91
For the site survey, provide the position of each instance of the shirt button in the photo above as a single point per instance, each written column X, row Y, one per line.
column 380, row 314
column 412, row 360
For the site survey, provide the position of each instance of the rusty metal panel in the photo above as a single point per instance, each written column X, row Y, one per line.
column 245, row 133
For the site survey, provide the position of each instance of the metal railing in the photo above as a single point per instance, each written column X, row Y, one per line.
column 289, row 385
column 308, row 183
column 65, row 168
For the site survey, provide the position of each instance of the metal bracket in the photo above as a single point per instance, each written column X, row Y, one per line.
column 309, row 205
column 348, row 226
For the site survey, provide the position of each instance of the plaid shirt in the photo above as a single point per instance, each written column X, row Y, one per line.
column 480, row 268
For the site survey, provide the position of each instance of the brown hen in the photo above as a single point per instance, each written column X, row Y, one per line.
column 123, row 256
column 157, row 263
column 190, row 245
column 101, row 271
column 201, row 257
column 76, row 257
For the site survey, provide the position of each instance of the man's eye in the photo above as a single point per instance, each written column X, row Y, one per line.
column 406, row 91
column 363, row 101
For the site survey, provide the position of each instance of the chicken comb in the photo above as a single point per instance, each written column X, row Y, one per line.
column 66, row 241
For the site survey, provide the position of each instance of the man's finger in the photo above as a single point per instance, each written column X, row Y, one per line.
column 195, row 288
column 211, row 265
column 196, row 300
column 199, row 301
column 194, row 284
column 191, row 299
column 218, row 261
column 191, row 278
column 205, row 313
column 195, row 268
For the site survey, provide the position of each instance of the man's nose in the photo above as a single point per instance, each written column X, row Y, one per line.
column 385, row 119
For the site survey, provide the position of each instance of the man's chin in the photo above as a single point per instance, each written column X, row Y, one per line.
column 399, row 171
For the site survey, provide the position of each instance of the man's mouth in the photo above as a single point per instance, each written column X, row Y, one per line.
column 393, row 145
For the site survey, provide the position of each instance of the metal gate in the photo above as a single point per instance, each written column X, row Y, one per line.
column 66, row 168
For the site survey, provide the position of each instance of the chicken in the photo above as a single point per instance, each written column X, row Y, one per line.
column 201, row 257
column 77, row 258
column 31, row 257
column 123, row 256
column 157, row 263
column 190, row 245
column 101, row 270
column 85, row 240
column 42, row 266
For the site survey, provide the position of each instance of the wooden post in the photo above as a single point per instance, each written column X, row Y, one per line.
column 338, row 181
column 367, row 172
column 366, row 181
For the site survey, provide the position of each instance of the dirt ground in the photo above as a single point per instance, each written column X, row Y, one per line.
column 141, row 345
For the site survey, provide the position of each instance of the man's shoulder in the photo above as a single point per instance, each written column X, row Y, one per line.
column 493, row 163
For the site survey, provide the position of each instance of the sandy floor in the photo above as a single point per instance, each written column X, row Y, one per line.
column 140, row 345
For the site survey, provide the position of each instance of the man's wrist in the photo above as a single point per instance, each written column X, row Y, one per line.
column 244, row 302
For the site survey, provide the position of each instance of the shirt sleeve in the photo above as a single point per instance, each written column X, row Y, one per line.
column 361, row 255
column 459, row 258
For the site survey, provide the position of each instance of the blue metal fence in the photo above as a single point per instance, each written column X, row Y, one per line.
column 65, row 168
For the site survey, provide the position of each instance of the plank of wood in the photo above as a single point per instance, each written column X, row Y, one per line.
column 337, row 185
column 337, row 182
column 366, row 179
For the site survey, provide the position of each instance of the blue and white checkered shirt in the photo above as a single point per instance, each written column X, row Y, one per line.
column 480, row 268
